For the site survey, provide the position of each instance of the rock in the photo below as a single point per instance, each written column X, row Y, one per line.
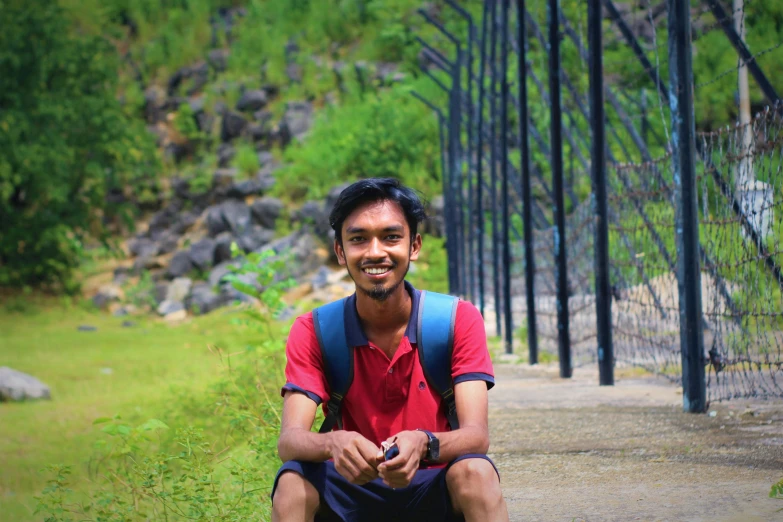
column 143, row 247
column 265, row 158
column 315, row 214
column 236, row 215
column 202, row 254
column 18, row 386
column 321, row 278
column 169, row 307
column 197, row 104
column 215, row 223
column 294, row 72
column 254, row 238
column 252, row 101
column 271, row 90
column 154, row 97
column 251, row 187
column 203, row 299
column 205, row 121
column 266, row 210
column 179, row 265
column 218, row 59
column 86, row 328
column 232, row 126
column 301, row 252
column 223, row 247
column 296, row 121
column 179, row 315
column 225, row 154
column 161, row 291
column 333, row 196
column 385, row 71
column 168, row 242
column 216, row 277
column 107, row 294
column 178, row 290
column 128, row 324
column 259, row 132
column 145, row 263
column 120, row 275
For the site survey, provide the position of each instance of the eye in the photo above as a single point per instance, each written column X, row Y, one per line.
column 394, row 237
column 356, row 239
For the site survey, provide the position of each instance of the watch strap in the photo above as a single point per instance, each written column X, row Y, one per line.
column 430, row 437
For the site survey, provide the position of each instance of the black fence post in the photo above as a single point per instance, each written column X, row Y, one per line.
column 509, row 320
column 603, row 297
column 561, row 266
column 493, row 115
column 694, row 394
column 480, row 160
column 524, row 161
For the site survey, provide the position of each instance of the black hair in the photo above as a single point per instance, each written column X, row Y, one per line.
column 377, row 189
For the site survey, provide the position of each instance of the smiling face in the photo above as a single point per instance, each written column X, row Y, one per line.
column 377, row 248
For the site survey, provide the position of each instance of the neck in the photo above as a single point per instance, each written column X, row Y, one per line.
column 389, row 314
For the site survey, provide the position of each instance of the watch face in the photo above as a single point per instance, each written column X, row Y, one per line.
column 434, row 448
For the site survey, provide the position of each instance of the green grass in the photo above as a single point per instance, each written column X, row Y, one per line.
column 157, row 371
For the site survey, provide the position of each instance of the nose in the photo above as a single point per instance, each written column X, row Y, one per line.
column 375, row 249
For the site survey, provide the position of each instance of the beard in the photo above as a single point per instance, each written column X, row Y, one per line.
column 378, row 292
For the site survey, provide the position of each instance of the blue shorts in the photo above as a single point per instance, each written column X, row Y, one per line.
column 426, row 498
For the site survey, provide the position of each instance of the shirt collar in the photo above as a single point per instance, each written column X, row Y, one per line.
column 353, row 327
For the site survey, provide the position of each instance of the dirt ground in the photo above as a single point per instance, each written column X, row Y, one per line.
column 574, row 451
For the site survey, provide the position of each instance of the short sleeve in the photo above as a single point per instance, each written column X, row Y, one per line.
column 470, row 359
column 304, row 366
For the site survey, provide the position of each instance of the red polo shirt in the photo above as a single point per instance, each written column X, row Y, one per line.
column 387, row 396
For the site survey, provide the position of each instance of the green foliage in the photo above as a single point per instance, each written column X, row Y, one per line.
column 431, row 270
column 246, row 160
column 144, row 472
column 390, row 134
column 65, row 139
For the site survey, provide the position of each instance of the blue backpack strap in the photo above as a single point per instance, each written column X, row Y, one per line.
column 329, row 322
column 435, row 343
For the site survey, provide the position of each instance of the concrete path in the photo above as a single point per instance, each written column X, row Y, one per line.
column 573, row 451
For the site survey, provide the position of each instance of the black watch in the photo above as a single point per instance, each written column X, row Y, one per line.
column 433, row 447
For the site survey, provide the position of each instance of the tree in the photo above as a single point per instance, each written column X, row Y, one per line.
column 65, row 142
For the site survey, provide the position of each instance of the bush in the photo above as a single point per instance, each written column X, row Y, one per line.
column 65, row 139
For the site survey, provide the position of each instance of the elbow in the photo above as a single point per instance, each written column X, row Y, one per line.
column 483, row 441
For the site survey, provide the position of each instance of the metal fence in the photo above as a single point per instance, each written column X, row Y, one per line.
column 585, row 215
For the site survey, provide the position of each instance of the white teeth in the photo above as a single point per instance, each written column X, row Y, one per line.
column 376, row 271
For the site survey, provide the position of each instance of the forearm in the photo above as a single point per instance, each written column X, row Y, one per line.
column 467, row 439
column 305, row 445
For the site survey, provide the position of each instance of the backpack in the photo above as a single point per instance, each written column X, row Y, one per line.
column 435, row 342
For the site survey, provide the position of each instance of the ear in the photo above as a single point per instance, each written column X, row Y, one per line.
column 416, row 248
column 338, row 250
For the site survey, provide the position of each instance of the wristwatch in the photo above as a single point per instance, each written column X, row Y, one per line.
column 433, row 447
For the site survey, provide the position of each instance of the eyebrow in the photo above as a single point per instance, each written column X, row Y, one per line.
column 358, row 230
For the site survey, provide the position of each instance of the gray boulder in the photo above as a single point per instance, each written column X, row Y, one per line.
column 225, row 154
column 168, row 242
column 18, row 386
column 161, row 291
column 232, row 125
column 179, row 265
column 215, row 223
column 225, row 178
column 266, row 210
column 218, row 59
column 301, row 252
column 202, row 253
column 296, row 122
column 203, row 299
column 179, row 289
column 170, row 307
column 143, row 247
column 252, row 101
column 223, row 247
column 107, row 294
column 254, row 238
column 321, row 278
column 236, row 214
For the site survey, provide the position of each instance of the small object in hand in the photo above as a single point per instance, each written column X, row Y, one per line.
column 390, row 449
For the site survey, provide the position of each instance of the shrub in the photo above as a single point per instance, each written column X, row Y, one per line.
column 66, row 142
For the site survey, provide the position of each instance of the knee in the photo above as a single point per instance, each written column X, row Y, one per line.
column 473, row 481
column 294, row 494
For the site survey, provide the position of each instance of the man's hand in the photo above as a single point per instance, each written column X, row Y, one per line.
column 355, row 457
column 399, row 471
